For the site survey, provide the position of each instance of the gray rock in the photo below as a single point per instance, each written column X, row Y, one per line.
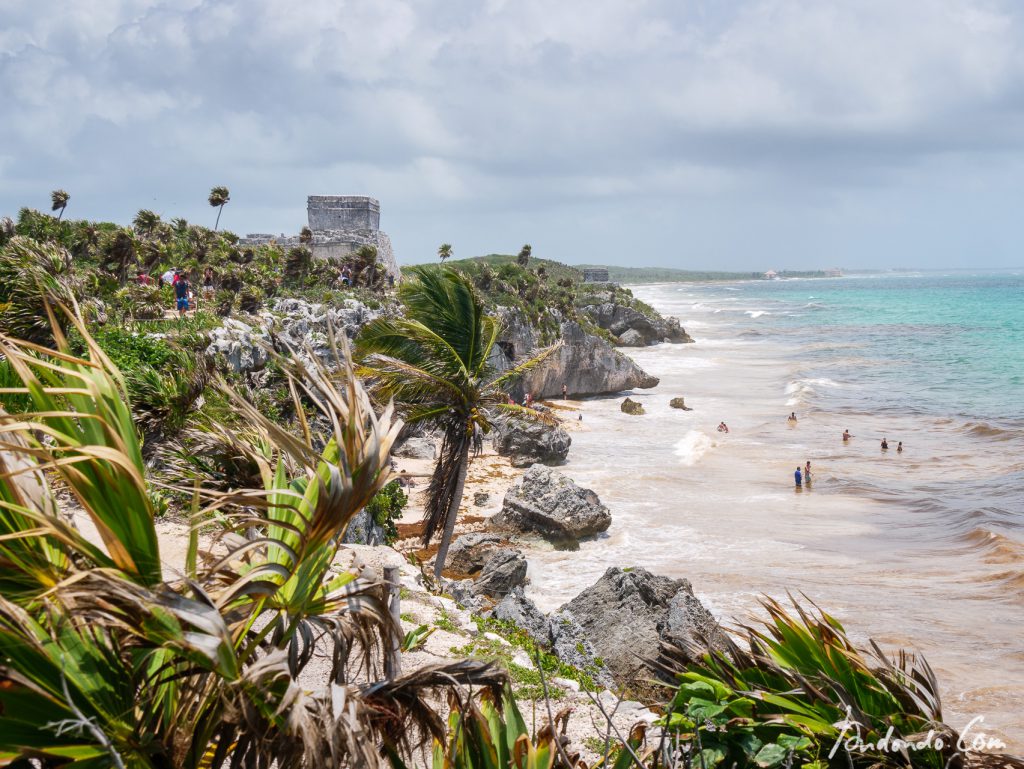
column 585, row 363
column 462, row 593
column 639, row 329
column 517, row 608
column 481, row 498
column 239, row 346
column 627, row 614
column 569, row 642
column 630, row 406
column 363, row 530
column 416, row 447
column 527, row 441
column 547, row 503
column 469, row 553
column 632, row 338
column 679, row 403
column 503, row 570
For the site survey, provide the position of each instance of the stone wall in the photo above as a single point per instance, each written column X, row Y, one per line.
column 342, row 212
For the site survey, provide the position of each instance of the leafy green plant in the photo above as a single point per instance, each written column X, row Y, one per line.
column 800, row 691
column 107, row 661
column 416, row 638
column 386, row 507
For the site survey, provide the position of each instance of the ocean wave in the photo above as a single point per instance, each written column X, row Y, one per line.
column 800, row 391
column 996, row 548
column 692, row 446
column 756, row 313
column 990, row 431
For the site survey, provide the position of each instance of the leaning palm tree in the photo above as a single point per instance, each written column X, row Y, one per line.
column 444, row 252
column 59, row 200
column 112, row 656
column 435, row 364
column 525, row 253
column 219, row 196
column 146, row 222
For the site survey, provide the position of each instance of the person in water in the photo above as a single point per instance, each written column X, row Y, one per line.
column 846, row 435
column 797, row 477
column 885, row 445
column 807, row 473
column 899, row 447
column 723, row 427
column 792, row 416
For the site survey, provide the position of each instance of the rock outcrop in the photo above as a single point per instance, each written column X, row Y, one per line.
column 628, row 613
column 293, row 323
column 630, row 406
column 416, row 447
column 585, row 364
column 633, row 328
column 521, row 611
column 494, row 567
column 546, row 503
column 679, row 403
column 528, row 441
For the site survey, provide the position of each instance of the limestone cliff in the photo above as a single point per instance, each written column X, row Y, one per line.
column 585, row 364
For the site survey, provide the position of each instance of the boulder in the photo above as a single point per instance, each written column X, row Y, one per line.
column 515, row 607
column 416, row 447
column 528, row 441
column 503, row 570
column 679, row 403
column 628, row 613
column 549, row 504
column 630, row 406
column 469, row 553
column 241, row 347
column 632, row 338
column 363, row 530
column 481, row 498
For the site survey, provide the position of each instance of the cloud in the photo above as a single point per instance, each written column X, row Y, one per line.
column 520, row 115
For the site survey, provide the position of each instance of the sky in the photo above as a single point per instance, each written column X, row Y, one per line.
column 718, row 134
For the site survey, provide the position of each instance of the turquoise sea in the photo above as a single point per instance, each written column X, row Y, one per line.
column 920, row 549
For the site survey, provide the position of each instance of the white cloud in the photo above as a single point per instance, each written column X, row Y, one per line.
column 449, row 105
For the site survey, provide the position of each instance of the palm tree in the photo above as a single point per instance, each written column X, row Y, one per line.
column 218, row 197
column 444, row 252
column 146, row 222
column 59, row 200
column 108, row 661
column 524, row 255
column 435, row 364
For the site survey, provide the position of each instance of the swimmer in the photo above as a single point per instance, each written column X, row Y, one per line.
column 792, row 416
column 846, row 436
column 885, row 445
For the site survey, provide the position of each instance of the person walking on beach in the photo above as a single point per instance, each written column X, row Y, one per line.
column 181, row 289
column 797, row 477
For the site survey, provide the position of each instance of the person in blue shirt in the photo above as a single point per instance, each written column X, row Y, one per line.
column 798, row 477
column 181, row 289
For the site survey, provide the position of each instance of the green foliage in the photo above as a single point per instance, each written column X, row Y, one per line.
column 416, row 638
column 783, row 700
column 147, row 673
column 386, row 507
column 33, row 275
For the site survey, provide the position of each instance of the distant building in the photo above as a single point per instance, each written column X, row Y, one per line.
column 340, row 224
column 595, row 275
column 835, row 272
column 771, row 275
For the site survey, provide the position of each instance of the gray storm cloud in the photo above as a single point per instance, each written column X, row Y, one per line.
column 779, row 132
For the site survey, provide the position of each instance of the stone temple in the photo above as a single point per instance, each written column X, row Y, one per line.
column 340, row 225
